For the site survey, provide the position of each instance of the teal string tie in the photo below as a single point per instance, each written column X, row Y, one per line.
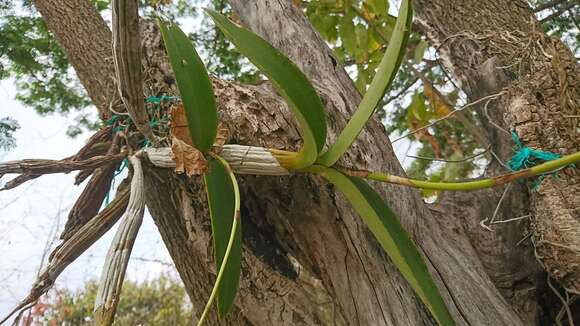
column 112, row 120
column 118, row 171
column 121, row 167
column 146, row 143
column 159, row 99
column 525, row 157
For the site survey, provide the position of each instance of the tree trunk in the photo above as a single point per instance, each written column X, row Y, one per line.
column 493, row 46
column 308, row 258
column 86, row 41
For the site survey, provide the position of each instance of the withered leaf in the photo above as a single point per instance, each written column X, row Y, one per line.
column 180, row 130
column 179, row 127
column 221, row 138
column 187, row 159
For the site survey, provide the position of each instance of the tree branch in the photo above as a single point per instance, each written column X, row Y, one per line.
column 40, row 166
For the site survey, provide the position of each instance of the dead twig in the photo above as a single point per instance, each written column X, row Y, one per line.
column 91, row 199
column 485, row 98
column 40, row 166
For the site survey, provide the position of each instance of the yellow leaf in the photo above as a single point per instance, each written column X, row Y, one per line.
column 439, row 105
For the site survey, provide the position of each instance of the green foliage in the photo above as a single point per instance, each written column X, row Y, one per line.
column 347, row 26
column 222, row 58
column 385, row 75
column 161, row 301
column 194, row 86
column 387, row 229
column 224, row 201
column 30, row 55
column 378, row 27
column 564, row 26
column 290, row 81
column 7, row 128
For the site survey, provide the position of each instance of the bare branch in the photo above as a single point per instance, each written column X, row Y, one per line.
column 40, row 166
column 485, row 98
column 561, row 10
column 93, row 145
column 19, row 180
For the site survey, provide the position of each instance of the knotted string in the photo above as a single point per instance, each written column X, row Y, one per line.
column 525, row 157
column 153, row 123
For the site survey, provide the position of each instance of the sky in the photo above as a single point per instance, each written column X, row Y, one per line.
column 33, row 215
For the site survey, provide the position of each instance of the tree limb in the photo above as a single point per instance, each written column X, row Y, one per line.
column 40, row 166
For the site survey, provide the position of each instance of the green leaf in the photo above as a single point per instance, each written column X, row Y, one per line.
column 381, row 7
column 382, row 80
column 417, row 112
column 394, row 239
column 224, row 206
column 420, row 51
column 290, row 81
column 362, row 41
column 194, row 86
column 347, row 34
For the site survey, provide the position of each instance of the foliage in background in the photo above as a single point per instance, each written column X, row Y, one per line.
column 161, row 301
column 33, row 58
column 221, row 57
column 7, row 128
column 563, row 22
column 358, row 30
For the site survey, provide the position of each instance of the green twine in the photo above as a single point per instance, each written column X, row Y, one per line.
column 121, row 167
column 112, row 120
column 158, row 99
column 525, row 157
column 118, row 171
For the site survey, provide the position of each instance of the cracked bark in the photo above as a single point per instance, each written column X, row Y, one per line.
column 498, row 45
column 308, row 259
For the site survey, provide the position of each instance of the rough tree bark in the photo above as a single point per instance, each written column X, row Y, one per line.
column 308, row 258
column 86, row 41
column 495, row 46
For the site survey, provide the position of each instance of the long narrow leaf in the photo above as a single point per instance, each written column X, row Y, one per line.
column 224, row 205
column 194, row 86
column 290, row 81
column 393, row 238
column 382, row 80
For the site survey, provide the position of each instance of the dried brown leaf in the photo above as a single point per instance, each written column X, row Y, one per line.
column 221, row 138
column 179, row 127
column 187, row 159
